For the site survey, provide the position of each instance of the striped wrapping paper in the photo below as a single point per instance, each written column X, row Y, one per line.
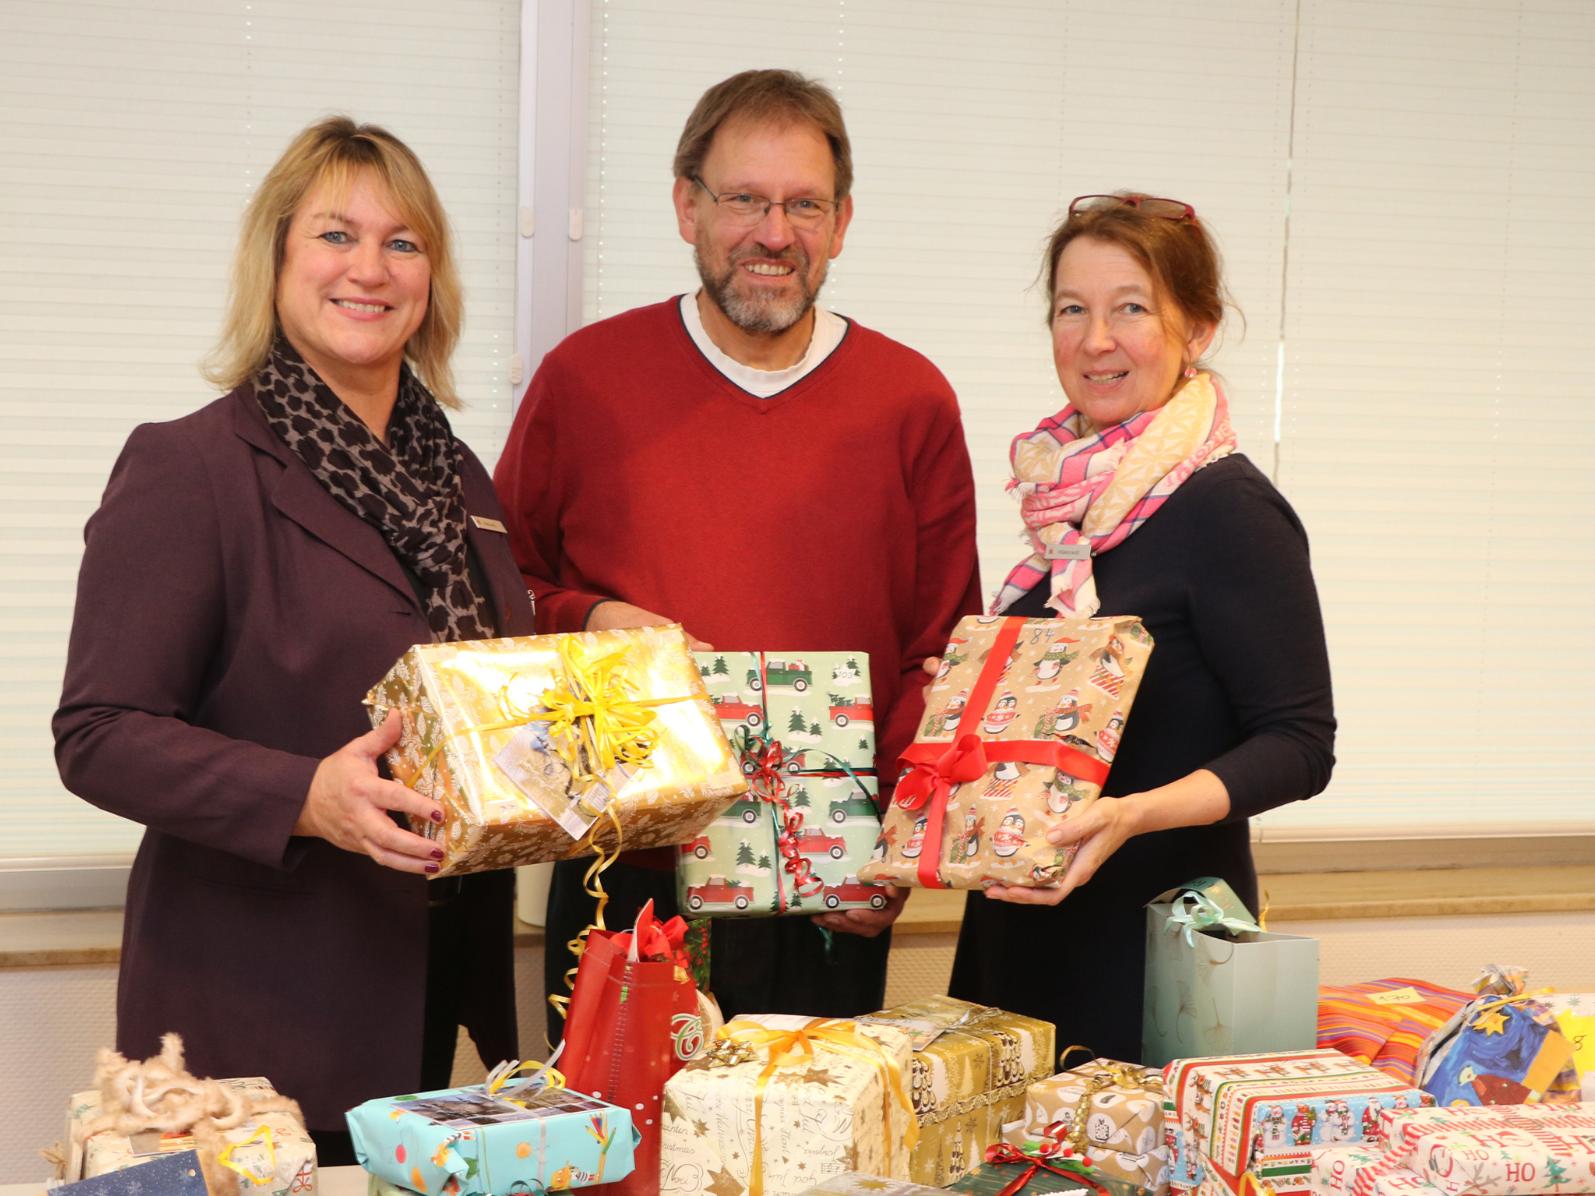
column 1363, row 1171
column 1384, row 1023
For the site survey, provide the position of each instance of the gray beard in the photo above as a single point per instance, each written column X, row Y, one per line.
column 766, row 314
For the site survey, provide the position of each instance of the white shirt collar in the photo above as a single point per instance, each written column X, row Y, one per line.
column 829, row 329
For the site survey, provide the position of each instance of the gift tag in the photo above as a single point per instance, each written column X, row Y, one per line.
column 922, row 1030
column 537, row 770
column 1397, row 996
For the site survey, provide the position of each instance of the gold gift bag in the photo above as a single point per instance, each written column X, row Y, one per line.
column 552, row 746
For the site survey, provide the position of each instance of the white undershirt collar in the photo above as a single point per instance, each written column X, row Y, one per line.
column 829, row 329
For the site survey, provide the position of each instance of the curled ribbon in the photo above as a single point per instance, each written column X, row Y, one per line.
column 593, row 719
column 1048, row 1155
column 505, row 1071
column 831, row 1034
column 767, row 782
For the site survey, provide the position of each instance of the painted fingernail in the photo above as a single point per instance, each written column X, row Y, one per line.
column 431, row 868
column 437, row 853
column 437, row 815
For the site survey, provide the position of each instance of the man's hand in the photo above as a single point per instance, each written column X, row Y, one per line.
column 612, row 613
column 866, row 922
column 348, row 805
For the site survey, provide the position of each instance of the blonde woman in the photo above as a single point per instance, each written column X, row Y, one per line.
column 253, row 568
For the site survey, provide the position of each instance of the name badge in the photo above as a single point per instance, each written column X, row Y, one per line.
column 488, row 524
column 1080, row 550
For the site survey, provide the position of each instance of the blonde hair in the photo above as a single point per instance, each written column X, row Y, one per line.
column 335, row 151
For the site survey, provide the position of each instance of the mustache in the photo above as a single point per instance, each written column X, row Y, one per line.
column 792, row 255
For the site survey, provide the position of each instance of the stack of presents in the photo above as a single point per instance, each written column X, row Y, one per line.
column 760, row 768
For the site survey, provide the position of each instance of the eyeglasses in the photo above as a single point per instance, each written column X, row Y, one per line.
column 1152, row 205
column 747, row 208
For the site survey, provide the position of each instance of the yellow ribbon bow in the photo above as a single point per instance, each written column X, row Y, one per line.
column 254, row 1175
column 593, row 720
column 799, row 1045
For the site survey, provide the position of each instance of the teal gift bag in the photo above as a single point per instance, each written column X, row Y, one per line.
column 1217, row 984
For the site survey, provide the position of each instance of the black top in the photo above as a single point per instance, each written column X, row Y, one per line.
column 1238, row 683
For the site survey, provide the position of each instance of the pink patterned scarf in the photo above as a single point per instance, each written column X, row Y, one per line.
column 1082, row 493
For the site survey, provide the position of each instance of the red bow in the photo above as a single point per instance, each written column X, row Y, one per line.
column 766, row 781
column 1068, row 1166
column 962, row 762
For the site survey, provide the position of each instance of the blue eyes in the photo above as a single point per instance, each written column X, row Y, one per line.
column 338, row 236
column 1130, row 308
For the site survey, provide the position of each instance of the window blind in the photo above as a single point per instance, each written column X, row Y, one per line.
column 130, row 139
column 1403, row 196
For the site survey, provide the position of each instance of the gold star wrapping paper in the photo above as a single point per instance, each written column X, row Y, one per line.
column 848, row 1117
column 466, row 704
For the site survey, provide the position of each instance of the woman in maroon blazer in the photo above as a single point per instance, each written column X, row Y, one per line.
column 253, row 568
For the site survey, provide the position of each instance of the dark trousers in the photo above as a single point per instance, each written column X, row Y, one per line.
column 757, row 965
column 440, row 1031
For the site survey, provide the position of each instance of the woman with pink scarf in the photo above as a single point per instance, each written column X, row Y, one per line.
column 1136, row 501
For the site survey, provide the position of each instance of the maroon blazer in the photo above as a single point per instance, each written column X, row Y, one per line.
column 230, row 616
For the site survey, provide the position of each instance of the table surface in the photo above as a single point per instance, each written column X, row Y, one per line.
column 330, row 1181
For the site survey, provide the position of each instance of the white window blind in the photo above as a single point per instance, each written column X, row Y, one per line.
column 130, row 138
column 1439, row 418
column 1405, row 200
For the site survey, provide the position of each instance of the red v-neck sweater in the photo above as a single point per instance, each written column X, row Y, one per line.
column 838, row 514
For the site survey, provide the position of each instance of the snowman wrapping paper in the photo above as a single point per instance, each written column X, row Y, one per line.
column 1267, row 1113
column 1022, row 723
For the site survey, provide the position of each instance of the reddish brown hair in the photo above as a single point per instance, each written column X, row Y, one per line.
column 1179, row 256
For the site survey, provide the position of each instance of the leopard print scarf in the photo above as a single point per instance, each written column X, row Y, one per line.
column 408, row 489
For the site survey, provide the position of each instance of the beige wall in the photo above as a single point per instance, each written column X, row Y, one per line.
column 52, row 1020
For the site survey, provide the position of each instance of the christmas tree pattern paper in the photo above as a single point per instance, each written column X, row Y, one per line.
column 803, row 727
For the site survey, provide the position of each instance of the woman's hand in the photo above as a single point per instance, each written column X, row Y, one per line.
column 867, row 923
column 1097, row 831
column 931, row 664
column 348, row 805
column 1101, row 828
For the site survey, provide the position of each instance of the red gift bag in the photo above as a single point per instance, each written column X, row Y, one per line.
column 635, row 1017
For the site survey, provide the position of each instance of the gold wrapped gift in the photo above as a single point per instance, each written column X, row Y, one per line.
column 552, row 746
column 780, row 1103
column 1111, row 1113
column 968, row 1080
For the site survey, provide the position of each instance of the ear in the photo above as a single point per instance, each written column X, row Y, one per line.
column 684, row 197
column 1196, row 344
column 844, row 217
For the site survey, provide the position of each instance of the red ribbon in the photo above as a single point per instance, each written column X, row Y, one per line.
column 1071, row 1168
column 768, row 783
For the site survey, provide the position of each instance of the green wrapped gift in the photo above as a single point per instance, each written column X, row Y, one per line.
column 1023, row 1171
column 803, row 727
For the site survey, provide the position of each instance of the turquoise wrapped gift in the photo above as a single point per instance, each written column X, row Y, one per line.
column 802, row 725
column 493, row 1138
column 1216, row 984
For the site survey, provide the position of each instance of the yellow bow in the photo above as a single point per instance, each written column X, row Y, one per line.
column 593, row 719
column 505, row 1071
column 832, row 1034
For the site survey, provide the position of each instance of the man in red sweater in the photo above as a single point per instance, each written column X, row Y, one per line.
column 766, row 472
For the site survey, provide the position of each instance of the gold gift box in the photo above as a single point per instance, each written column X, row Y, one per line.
column 780, row 1103
column 468, row 707
column 968, row 1081
column 1112, row 1113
